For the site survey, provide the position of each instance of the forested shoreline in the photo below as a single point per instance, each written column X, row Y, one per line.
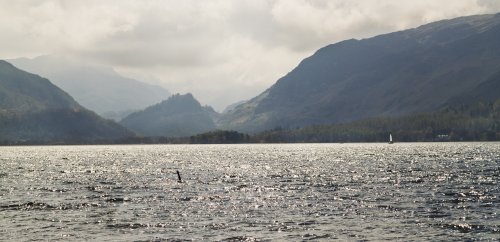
column 464, row 122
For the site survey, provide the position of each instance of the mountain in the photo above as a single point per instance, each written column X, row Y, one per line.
column 32, row 109
column 401, row 73
column 487, row 91
column 233, row 106
column 180, row 115
column 98, row 88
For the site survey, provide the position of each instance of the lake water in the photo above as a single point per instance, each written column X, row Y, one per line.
column 288, row 192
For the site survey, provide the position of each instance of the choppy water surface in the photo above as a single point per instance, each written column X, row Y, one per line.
column 421, row 191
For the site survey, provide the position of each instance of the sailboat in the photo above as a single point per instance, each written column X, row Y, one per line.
column 390, row 139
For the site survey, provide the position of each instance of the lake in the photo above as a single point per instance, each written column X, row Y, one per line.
column 254, row 192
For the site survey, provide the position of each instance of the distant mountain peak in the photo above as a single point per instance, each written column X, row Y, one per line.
column 179, row 115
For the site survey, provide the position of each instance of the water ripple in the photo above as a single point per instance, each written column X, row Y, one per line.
column 299, row 192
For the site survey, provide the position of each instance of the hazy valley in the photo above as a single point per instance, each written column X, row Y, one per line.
column 446, row 65
column 96, row 87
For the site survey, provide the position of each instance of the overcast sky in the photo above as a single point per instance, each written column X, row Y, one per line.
column 222, row 51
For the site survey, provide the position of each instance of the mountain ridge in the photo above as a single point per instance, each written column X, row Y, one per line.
column 395, row 74
column 40, row 92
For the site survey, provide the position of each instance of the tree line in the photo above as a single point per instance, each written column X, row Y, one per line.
column 464, row 122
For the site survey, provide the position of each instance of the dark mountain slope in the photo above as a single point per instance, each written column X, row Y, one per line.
column 34, row 110
column 488, row 91
column 21, row 91
column 412, row 71
column 180, row 115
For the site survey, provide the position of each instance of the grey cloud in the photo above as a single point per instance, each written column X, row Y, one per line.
column 159, row 39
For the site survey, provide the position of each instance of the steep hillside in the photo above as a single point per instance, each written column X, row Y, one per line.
column 180, row 115
column 98, row 88
column 32, row 109
column 401, row 73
